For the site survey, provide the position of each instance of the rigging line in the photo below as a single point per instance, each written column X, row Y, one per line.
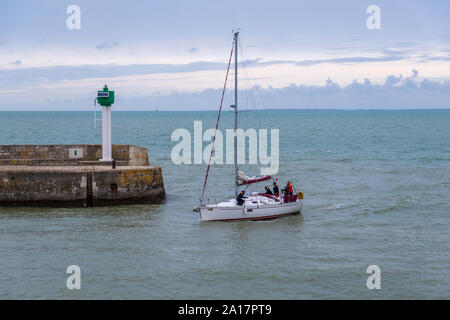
column 243, row 65
column 250, row 115
column 256, row 114
column 217, row 123
column 253, row 116
column 250, row 82
column 250, row 85
column 248, row 119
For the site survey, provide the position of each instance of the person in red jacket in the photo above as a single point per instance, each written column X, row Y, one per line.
column 289, row 189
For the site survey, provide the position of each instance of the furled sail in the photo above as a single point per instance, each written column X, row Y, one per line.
column 244, row 179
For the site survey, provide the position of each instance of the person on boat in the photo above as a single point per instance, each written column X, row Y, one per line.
column 240, row 198
column 288, row 190
column 276, row 191
column 268, row 191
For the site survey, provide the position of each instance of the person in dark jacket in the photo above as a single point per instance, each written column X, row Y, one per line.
column 240, row 198
column 276, row 191
column 268, row 191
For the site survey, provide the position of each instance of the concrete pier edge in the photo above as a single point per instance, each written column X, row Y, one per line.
column 71, row 176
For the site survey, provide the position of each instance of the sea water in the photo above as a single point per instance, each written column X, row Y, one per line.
column 376, row 187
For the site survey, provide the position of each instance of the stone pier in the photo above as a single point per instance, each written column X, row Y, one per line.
column 72, row 176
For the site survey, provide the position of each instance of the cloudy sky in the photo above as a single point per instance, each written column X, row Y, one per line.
column 173, row 54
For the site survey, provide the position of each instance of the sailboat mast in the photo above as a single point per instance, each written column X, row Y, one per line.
column 235, row 110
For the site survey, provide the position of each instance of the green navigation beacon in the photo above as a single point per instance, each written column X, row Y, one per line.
column 105, row 98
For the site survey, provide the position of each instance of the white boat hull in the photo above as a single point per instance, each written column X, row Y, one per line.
column 261, row 210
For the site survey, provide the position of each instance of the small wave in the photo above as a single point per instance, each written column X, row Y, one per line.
column 344, row 160
column 430, row 159
column 401, row 204
column 386, row 209
column 335, row 206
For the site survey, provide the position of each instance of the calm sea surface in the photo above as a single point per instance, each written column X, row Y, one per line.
column 377, row 189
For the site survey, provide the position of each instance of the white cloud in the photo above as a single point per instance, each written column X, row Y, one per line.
column 395, row 92
column 107, row 45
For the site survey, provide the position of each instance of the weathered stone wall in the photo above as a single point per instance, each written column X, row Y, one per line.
column 80, row 186
column 128, row 186
column 58, row 155
column 137, row 156
column 43, row 188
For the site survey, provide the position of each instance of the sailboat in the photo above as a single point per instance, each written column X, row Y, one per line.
column 255, row 206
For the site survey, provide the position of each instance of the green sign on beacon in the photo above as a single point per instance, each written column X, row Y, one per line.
column 105, row 98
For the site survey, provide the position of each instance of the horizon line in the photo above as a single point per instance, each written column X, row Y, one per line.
column 242, row 110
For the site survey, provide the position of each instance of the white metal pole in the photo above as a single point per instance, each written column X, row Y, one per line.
column 106, row 134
